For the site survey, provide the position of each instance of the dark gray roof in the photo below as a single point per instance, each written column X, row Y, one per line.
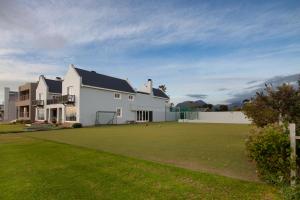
column 54, row 86
column 159, row 93
column 94, row 79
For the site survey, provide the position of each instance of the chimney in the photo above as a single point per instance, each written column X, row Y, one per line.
column 149, row 85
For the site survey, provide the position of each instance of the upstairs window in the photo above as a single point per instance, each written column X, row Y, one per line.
column 117, row 96
column 131, row 98
column 70, row 90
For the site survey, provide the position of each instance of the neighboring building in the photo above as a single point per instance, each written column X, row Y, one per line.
column 90, row 98
column 10, row 110
column 24, row 103
column 1, row 112
column 48, row 93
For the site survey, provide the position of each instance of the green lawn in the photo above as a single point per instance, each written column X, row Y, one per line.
column 215, row 148
column 11, row 128
column 38, row 169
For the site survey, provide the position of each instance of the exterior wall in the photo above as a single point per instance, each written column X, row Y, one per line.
column 42, row 89
column 73, row 79
column 151, row 103
column 93, row 100
column 10, row 110
column 219, row 117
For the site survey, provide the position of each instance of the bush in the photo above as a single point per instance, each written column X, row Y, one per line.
column 27, row 121
column 269, row 147
column 77, row 125
column 291, row 193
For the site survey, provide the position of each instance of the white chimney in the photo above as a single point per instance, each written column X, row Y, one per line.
column 147, row 88
column 150, row 85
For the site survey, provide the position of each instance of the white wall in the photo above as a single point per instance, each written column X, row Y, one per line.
column 73, row 79
column 219, row 117
column 93, row 100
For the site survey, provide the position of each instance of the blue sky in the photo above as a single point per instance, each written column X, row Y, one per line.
column 212, row 50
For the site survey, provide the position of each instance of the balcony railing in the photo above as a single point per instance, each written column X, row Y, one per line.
column 24, row 114
column 24, row 97
column 65, row 99
column 38, row 102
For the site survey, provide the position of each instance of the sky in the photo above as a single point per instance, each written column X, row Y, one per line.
column 209, row 50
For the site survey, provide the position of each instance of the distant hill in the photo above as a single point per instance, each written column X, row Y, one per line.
column 203, row 106
column 191, row 105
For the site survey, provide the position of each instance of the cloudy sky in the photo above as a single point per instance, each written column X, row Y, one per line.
column 212, row 50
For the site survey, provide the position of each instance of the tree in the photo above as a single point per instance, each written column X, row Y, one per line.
column 273, row 105
column 163, row 88
column 223, row 108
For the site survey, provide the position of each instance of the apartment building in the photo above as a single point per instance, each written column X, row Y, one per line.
column 25, row 109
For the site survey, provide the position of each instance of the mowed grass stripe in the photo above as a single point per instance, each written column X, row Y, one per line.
column 37, row 169
column 216, row 148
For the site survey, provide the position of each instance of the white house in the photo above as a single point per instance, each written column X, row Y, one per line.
column 90, row 98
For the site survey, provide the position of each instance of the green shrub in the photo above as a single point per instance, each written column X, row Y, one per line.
column 291, row 193
column 20, row 121
column 269, row 147
column 27, row 121
column 77, row 125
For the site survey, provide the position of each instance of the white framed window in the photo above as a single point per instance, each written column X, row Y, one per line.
column 131, row 98
column 70, row 113
column 40, row 114
column 70, row 90
column 119, row 112
column 117, row 96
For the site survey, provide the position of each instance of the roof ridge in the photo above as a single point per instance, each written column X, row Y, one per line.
column 100, row 74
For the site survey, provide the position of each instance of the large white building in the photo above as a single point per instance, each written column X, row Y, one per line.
column 90, row 98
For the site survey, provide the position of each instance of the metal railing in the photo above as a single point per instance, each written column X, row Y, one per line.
column 24, row 97
column 38, row 102
column 24, row 114
column 65, row 99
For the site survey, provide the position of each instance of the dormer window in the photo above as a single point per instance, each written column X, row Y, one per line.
column 117, row 96
column 131, row 98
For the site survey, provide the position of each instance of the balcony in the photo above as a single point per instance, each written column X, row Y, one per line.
column 39, row 103
column 24, row 114
column 65, row 99
column 24, row 97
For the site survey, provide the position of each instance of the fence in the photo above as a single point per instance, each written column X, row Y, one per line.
column 214, row 117
column 293, row 141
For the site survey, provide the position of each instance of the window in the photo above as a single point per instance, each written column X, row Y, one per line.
column 41, row 114
column 117, row 96
column 131, row 98
column 40, row 96
column 70, row 90
column 70, row 113
column 144, row 116
column 119, row 112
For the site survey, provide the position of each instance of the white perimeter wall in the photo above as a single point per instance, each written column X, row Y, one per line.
column 220, row 117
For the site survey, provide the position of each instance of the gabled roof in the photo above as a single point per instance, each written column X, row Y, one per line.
column 54, row 86
column 159, row 93
column 91, row 78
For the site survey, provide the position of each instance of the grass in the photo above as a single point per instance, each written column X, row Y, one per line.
column 215, row 148
column 38, row 169
column 11, row 128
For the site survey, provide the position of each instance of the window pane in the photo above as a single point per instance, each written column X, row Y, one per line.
column 40, row 113
column 70, row 113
